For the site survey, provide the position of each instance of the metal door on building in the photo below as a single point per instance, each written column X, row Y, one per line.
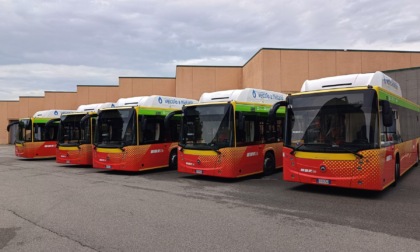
column 13, row 131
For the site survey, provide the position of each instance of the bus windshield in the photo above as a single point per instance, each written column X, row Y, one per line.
column 333, row 121
column 25, row 130
column 116, row 128
column 207, row 127
column 71, row 132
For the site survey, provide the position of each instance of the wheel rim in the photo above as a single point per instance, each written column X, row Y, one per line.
column 268, row 164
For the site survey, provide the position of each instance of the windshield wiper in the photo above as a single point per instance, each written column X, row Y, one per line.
column 348, row 150
column 214, row 148
column 297, row 148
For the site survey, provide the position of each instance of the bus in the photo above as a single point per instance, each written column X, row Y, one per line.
column 34, row 139
column 133, row 136
column 75, row 134
column 228, row 134
column 351, row 131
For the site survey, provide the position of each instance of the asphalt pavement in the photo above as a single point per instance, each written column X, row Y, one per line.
column 45, row 206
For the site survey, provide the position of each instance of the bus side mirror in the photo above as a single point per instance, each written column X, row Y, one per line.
column 386, row 114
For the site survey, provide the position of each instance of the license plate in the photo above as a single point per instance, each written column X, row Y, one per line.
column 323, row 181
column 199, row 171
column 107, row 166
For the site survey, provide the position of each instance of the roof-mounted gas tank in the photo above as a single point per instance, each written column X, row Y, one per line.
column 95, row 107
column 157, row 101
column 52, row 113
column 243, row 95
column 353, row 80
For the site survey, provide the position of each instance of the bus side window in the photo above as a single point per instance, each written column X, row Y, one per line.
column 152, row 131
column 391, row 135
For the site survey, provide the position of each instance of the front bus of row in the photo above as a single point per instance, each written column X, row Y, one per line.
column 35, row 138
column 133, row 136
column 228, row 134
column 352, row 131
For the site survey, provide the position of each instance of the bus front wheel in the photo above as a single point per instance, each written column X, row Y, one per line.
column 269, row 164
column 173, row 160
column 397, row 171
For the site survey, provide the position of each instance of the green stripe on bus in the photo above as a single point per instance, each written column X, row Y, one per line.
column 145, row 111
column 398, row 101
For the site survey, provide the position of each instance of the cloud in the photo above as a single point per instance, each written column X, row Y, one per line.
column 58, row 44
column 34, row 79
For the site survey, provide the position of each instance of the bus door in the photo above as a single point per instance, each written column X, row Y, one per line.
column 251, row 138
column 153, row 140
column 389, row 137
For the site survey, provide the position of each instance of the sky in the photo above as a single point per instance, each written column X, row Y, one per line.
column 55, row 45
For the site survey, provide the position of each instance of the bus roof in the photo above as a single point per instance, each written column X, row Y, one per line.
column 95, row 107
column 52, row 113
column 158, row 101
column 243, row 95
column 353, row 80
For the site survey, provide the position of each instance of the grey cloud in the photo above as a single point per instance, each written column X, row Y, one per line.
column 151, row 37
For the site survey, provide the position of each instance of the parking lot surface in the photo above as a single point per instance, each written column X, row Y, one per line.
column 45, row 206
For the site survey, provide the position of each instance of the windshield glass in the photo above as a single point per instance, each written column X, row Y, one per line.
column 207, row 127
column 116, row 128
column 25, row 130
column 71, row 132
column 333, row 121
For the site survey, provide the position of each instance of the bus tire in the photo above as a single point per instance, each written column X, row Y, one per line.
column 173, row 160
column 397, row 171
column 269, row 163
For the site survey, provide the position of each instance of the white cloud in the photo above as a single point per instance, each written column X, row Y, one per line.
column 213, row 61
column 34, row 79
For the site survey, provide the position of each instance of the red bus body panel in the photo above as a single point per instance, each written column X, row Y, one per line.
column 81, row 155
column 230, row 163
column 133, row 158
column 375, row 171
column 36, row 149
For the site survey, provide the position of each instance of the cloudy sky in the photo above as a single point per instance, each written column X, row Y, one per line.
column 55, row 45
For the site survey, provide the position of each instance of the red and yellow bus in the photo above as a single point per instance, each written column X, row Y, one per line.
column 34, row 138
column 133, row 136
column 353, row 131
column 75, row 134
column 228, row 134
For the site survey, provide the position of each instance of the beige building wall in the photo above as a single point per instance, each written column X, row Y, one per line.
column 140, row 86
column 58, row 100
column 96, row 94
column 274, row 69
column 192, row 81
column 285, row 70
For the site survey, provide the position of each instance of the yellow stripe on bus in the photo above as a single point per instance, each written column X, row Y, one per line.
column 325, row 156
column 109, row 150
column 200, row 152
column 67, row 148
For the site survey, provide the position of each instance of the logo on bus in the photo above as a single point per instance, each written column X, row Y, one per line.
column 252, row 154
column 160, row 100
column 307, row 170
column 254, row 94
column 56, row 112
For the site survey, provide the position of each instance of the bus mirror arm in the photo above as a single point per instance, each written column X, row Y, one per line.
column 168, row 118
column 274, row 108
